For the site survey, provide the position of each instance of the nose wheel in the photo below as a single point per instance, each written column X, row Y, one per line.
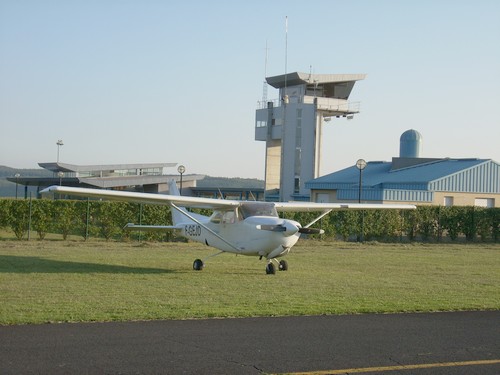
column 283, row 266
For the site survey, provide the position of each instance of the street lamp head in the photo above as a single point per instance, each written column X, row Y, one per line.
column 17, row 175
column 59, row 143
column 361, row 164
column 181, row 169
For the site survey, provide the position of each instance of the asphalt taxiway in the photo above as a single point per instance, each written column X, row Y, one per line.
column 427, row 343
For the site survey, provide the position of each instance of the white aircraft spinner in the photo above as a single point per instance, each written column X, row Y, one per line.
column 241, row 227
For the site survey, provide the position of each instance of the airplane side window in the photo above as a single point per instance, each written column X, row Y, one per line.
column 216, row 217
column 228, row 217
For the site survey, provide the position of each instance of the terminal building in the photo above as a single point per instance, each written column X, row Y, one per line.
column 292, row 125
column 145, row 177
column 413, row 179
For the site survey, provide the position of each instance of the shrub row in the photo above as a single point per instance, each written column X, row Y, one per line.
column 83, row 218
column 426, row 223
column 107, row 219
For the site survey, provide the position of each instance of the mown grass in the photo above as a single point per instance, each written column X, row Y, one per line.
column 73, row 281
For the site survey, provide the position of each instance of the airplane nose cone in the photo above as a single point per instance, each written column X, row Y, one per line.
column 290, row 228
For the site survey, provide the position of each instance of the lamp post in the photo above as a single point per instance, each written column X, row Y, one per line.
column 361, row 164
column 181, row 169
column 60, row 175
column 17, row 175
column 59, row 143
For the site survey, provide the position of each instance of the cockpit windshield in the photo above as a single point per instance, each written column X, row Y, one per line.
column 258, row 209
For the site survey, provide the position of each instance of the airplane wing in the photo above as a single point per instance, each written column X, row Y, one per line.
column 210, row 203
column 127, row 196
column 312, row 207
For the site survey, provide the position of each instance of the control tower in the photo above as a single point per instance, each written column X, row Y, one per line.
column 291, row 127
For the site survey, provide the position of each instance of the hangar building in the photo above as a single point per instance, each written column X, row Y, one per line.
column 412, row 179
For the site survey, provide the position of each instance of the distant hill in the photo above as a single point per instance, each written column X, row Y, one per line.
column 225, row 182
column 8, row 189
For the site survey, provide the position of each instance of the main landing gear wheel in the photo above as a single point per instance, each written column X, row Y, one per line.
column 198, row 265
column 270, row 269
column 283, row 266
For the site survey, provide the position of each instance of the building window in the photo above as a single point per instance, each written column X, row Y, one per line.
column 448, row 201
column 298, row 143
column 261, row 124
column 297, row 185
column 298, row 161
column 298, row 133
column 484, row 202
column 277, row 121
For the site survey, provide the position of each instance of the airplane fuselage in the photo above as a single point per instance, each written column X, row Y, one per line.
column 264, row 236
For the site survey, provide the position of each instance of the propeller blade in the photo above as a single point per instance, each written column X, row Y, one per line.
column 311, row 231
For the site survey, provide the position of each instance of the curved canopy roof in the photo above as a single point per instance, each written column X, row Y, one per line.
column 298, row 78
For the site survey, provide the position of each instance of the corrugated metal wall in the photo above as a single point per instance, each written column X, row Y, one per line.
column 483, row 178
column 386, row 195
column 408, row 195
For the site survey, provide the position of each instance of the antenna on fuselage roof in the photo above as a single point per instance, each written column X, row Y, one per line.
column 220, row 193
column 253, row 196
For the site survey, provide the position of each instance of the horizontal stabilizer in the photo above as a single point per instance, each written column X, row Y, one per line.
column 150, row 228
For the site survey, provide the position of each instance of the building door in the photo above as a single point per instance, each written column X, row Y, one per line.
column 448, row 201
column 323, row 198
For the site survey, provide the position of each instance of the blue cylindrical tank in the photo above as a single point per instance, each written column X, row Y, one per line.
column 410, row 144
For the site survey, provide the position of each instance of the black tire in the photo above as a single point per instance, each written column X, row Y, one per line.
column 270, row 269
column 283, row 265
column 198, row 265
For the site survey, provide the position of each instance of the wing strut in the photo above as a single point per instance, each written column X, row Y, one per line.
column 319, row 217
column 185, row 213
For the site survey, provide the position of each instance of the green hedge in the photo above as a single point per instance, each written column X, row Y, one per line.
column 81, row 218
column 107, row 219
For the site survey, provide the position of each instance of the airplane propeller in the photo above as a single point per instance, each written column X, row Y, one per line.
column 290, row 229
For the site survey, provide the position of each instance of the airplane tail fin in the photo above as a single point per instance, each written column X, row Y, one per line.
column 172, row 188
column 178, row 218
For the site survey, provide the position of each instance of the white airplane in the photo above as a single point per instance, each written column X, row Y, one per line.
column 240, row 227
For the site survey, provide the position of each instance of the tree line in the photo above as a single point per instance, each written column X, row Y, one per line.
column 103, row 219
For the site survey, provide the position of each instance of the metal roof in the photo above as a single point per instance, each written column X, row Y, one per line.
column 113, row 182
column 64, row 167
column 464, row 175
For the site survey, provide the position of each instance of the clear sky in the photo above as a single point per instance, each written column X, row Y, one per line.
column 122, row 81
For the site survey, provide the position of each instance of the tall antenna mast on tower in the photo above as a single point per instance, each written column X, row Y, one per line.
column 264, row 88
column 284, row 104
column 286, row 49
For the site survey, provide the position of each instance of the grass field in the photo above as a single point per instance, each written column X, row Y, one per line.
column 73, row 281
